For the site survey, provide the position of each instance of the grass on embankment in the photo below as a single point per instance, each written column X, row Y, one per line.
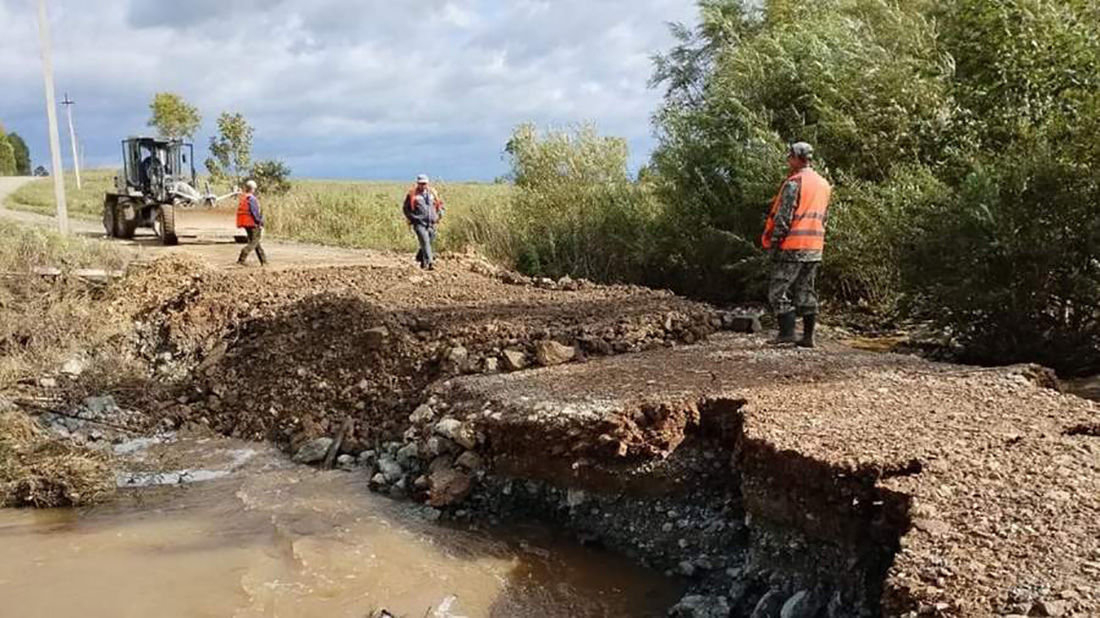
column 356, row 214
column 44, row 322
column 86, row 203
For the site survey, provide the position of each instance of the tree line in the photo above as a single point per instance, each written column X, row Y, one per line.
column 15, row 157
column 960, row 136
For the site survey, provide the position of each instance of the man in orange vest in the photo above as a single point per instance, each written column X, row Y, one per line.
column 795, row 236
column 250, row 218
column 423, row 209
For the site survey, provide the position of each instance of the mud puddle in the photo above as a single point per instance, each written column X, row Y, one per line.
column 266, row 538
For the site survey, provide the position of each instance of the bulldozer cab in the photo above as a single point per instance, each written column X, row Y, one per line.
column 151, row 166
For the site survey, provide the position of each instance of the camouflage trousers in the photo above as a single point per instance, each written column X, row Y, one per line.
column 792, row 287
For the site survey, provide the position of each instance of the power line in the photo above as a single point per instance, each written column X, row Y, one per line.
column 51, row 116
column 69, row 103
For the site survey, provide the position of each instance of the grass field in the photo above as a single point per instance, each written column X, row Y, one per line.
column 360, row 214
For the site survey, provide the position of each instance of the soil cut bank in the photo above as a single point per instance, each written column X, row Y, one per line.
column 781, row 482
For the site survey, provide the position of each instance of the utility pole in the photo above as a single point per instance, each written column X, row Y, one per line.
column 68, row 103
column 51, row 116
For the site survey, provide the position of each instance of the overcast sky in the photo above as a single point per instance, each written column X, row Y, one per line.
column 344, row 88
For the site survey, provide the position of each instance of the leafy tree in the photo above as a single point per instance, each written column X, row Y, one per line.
column 173, row 117
column 7, row 155
column 272, row 176
column 231, row 148
column 22, row 154
column 575, row 210
column 865, row 81
column 960, row 138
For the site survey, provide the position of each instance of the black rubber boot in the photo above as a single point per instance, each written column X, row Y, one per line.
column 786, row 328
column 809, row 322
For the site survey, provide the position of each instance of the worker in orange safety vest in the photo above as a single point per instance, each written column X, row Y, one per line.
column 251, row 219
column 794, row 234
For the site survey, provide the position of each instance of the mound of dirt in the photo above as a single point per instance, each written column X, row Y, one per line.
column 288, row 355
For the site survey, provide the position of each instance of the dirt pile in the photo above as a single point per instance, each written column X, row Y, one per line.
column 288, row 355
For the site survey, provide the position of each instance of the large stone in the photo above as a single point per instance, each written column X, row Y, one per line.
column 742, row 323
column 456, row 358
column 550, row 352
column 313, row 451
column 470, row 461
column 456, row 431
column 769, row 605
column 389, row 468
column 800, row 605
column 408, row 455
column 422, row 414
column 699, row 606
column 514, row 360
column 447, row 486
column 346, row 462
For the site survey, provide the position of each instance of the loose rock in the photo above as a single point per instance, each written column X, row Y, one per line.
column 550, row 352
column 313, row 451
column 448, row 486
column 514, row 360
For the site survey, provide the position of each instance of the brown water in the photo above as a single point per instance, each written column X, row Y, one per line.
column 1089, row 388
column 272, row 539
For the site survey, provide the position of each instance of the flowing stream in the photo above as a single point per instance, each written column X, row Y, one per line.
column 256, row 536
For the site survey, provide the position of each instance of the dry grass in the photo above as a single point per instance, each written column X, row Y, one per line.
column 38, row 471
column 357, row 214
column 87, row 203
column 45, row 321
column 368, row 214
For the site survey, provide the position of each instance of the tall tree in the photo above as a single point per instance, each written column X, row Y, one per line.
column 22, row 155
column 231, row 148
column 7, row 155
column 173, row 117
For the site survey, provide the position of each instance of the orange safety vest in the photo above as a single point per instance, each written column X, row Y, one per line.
column 410, row 199
column 808, row 222
column 244, row 215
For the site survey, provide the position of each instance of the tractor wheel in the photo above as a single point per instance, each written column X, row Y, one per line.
column 110, row 216
column 165, row 224
column 126, row 219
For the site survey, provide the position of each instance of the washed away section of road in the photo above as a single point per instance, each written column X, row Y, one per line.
column 802, row 483
column 780, row 482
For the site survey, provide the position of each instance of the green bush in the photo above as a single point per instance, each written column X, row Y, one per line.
column 575, row 209
column 1010, row 263
column 273, row 176
column 960, row 139
column 865, row 81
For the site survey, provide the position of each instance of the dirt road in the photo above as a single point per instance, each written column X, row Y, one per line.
column 216, row 252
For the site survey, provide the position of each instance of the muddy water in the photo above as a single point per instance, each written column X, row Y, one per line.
column 1089, row 388
column 270, row 539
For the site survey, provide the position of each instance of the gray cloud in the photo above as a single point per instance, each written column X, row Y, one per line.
column 370, row 88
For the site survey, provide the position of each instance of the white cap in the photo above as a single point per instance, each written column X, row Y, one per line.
column 251, row 184
column 422, row 179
